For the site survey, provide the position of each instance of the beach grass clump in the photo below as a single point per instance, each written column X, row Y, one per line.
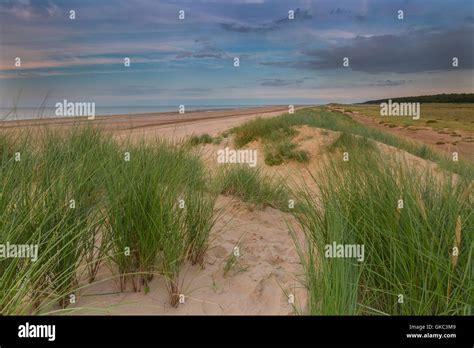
column 270, row 129
column 217, row 140
column 76, row 159
column 69, row 183
column 56, row 229
column 146, row 209
column 276, row 134
column 413, row 227
column 201, row 139
column 14, row 224
column 160, row 213
column 199, row 220
column 251, row 186
column 5, row 146
column 232, row 263
column 346, row 142
column 279, row 152
column 45, row 204
column 82, row 199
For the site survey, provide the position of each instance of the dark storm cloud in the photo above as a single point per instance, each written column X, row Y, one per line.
column 299, row 15
column 419, row 51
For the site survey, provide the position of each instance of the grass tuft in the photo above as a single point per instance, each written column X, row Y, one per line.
column 252, row 187
column 278, row 153
column 201, row 139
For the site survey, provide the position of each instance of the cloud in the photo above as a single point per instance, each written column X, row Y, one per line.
column 206, row 49
column 469, row 19
column 58, row 54
column 361, row 18
column 149, row 90
column 277, row 24
column 417, row 51
column 26, row 9
column 338, row 11
column 280, row 82
column 390, row 83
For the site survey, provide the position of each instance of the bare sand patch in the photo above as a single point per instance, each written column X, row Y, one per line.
column 266, row 270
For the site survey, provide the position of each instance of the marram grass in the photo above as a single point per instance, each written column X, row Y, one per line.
column 75, row 196
column 410, row 265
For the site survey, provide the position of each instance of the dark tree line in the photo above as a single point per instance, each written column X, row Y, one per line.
column 437, row 98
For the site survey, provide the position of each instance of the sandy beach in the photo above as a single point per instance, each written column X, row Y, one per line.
column 171, row 125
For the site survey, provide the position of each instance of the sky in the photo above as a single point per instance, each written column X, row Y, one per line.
column 191, row 61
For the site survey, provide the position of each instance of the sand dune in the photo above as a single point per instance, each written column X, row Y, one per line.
column 268, row 268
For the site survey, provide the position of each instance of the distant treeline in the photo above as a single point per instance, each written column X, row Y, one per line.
column 437, row 98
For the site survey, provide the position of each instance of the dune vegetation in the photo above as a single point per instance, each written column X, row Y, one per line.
column 86, row 201
column 284, row 126
column 145, row 209
column 447, row 118
column 414, row 224
column 415, row 230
